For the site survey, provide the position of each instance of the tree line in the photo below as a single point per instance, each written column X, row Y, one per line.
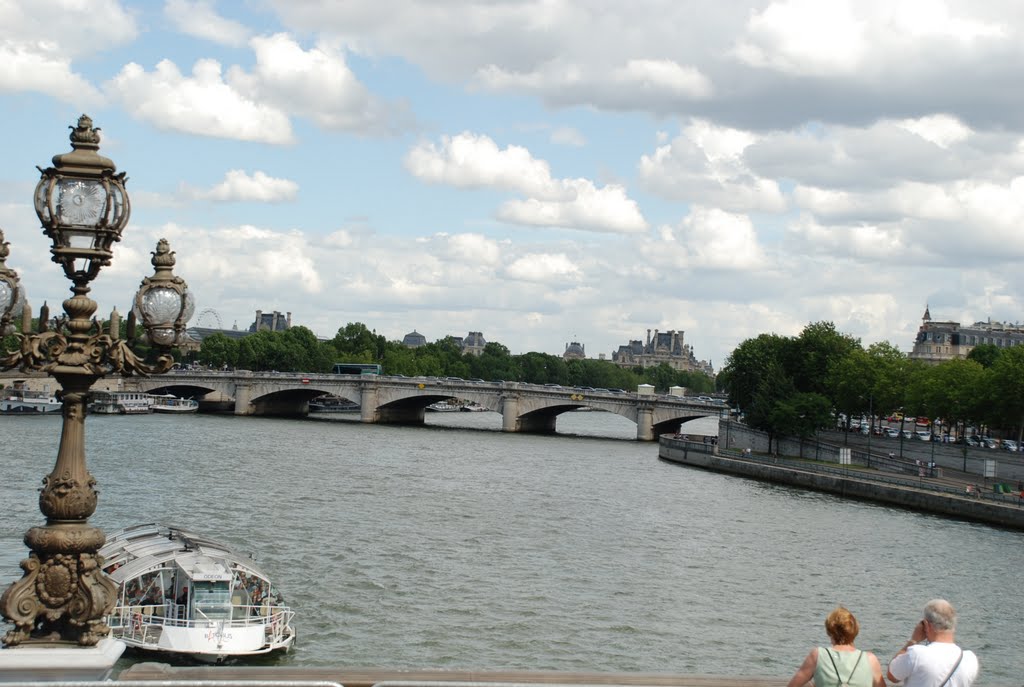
column 297, row 349
column 794, row 386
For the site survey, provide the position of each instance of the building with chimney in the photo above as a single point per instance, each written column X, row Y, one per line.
column 938, row 341
column 663, row 347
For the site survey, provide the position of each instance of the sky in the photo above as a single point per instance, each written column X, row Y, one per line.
column 541, row 171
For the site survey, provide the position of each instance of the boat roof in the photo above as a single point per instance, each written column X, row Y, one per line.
column 141, row 548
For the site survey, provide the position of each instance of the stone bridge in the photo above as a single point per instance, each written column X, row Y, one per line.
column 403, row 400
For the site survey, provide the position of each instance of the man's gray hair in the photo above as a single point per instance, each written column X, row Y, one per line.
column 940, row 614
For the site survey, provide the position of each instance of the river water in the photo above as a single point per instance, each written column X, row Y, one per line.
column 457, row 546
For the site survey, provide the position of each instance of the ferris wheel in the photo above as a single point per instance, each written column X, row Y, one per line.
column 203, row 320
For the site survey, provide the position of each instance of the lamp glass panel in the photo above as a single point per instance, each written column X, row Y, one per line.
column 117, row 197
column 6, row 296
column 80, row 201
column 160, row 306
column 190, row 307
column 79, row 239
column 41, row 203
column 162, row 336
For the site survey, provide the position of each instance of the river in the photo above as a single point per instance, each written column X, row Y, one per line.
column 457, row 546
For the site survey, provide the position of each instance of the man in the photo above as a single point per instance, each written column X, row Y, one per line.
column 939, row 661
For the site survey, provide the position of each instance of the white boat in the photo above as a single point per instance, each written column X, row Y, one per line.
column 181, row 593
column 121, row 403
column 447, row 406
column 170, row 403
column 333, row 404
column 20, row 399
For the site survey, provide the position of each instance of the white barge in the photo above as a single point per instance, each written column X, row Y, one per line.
column 181, row 593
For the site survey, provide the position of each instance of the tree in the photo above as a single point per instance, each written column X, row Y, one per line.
column 812, row 354
column 747, row 366
column 773, row 389
column 1006, row 381
column 218, row 350
column 985, row 354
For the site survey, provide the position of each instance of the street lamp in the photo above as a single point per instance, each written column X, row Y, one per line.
column 64, row 596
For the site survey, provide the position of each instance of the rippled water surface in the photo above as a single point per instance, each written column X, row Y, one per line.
column 461, row 546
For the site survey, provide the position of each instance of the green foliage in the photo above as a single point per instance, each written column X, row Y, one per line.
column 984, row 354
column 298, row 350
column 778, row 381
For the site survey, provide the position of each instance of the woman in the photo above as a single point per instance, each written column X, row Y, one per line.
column 840, row 665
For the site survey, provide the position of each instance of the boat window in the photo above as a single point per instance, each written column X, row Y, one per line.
column 212, row 599
column 147, row 589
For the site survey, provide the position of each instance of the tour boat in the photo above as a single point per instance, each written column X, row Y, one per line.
column 181, row 593
column 172, row 404
column 121, row 403
column 446, row 406
column 332, row 404
column 18, row 399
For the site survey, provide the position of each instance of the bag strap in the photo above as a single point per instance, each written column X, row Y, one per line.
column 860, row 655
column 955, row 666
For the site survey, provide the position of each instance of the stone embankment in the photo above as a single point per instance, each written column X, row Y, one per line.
column 942, row 497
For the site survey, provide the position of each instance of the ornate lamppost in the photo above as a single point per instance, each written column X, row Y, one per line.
column 64, row 596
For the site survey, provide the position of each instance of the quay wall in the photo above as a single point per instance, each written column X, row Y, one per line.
column 849, row 486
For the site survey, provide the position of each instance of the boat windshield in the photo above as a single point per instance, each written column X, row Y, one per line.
column 212, row 599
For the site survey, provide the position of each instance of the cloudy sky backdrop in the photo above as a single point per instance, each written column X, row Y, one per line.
column 541, row 171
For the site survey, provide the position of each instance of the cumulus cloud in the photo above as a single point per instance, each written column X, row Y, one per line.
column 568, row 136
column 543, row 268
column 199, row 18
column 202, row 104
column 706, row 165
column 720, row 240
column 471, row 161
column 40, row 40
column 239, row 186
column 316, row 84
column 807, row 37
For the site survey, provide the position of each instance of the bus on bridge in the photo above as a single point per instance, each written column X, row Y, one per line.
column 356, row 369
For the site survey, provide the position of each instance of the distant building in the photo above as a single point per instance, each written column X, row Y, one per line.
column 414, row 340
column 574, row 351
column 474, row 343
column 940, row 341
column 272, row 321
column 663, row 347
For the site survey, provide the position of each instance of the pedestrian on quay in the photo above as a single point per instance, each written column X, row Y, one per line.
column 932, row 658
column 841, row 663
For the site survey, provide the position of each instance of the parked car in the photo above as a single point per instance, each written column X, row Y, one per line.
column 923, row 435
column 907, row 434
column 990, row 443
column 972, row 441
column 1009, row 445
column 892, row 432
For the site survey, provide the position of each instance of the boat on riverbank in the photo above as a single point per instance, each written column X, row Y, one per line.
column 333, row 404
column 169, row 403
column 181, row 593
column 19, row 400
column 448, row 406
column 121, row 403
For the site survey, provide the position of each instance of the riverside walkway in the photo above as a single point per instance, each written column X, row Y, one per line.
column 954, row 494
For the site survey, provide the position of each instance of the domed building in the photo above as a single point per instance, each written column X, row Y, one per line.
column 414, row 340
column 574, row 351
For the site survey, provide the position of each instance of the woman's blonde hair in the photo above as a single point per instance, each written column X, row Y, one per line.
column 841, row 626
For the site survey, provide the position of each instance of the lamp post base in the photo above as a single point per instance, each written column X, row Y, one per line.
column 60, row 663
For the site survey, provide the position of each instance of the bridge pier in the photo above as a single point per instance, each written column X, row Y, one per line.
column 243, row 399
column 645, row 421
